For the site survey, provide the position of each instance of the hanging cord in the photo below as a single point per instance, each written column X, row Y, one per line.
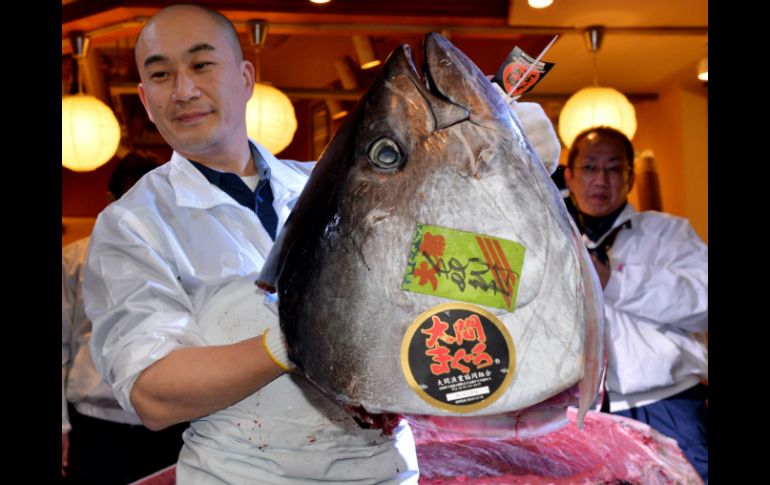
column 80, row 45
column 75, row 86
column 257, row 73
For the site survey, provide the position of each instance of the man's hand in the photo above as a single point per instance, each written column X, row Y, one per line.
column 540, row 132
column 65, row 452
column 602, row 270
column 537, row 127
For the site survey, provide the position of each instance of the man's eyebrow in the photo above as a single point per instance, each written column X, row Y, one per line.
column 200, row 47
column 192, row 50
column 153, row 59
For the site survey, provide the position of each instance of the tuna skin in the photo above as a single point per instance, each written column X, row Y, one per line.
column 465, row 164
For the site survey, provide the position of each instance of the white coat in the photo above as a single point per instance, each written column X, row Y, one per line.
column 81, row 384
column 656, row 307
column 172, row 264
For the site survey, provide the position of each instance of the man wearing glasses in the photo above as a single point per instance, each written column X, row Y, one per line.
column 654, row 271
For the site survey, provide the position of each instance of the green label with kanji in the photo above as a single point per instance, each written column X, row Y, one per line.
column 464, row 266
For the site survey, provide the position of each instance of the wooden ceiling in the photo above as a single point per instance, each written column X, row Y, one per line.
column 647, row 44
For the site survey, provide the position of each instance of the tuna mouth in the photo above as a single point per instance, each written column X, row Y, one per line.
column 446, row 111
column 428, row 79
column 422, row 78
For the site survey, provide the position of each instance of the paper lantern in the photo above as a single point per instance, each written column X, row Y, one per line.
column 596, row 106
column 539, row 3
column 90, row 133
column 270, row 118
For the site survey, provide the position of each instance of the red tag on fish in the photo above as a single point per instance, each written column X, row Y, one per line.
column 514, row 67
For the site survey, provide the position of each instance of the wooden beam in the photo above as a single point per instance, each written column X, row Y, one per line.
column 355, row 94
column 509, row 20
column 130, row 27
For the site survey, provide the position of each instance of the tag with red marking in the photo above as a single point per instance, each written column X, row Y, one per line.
column 464, row 266
column 514, row 67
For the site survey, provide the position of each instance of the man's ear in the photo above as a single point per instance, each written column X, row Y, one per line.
column 568, row 178
column 247, row 70
column 143, row 98
column 631, row 180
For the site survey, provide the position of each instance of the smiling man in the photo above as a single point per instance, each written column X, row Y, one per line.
column 654, row 271
column 180, row 331
column 195, row 86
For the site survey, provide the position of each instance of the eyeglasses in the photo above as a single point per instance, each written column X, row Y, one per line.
column 614, row 171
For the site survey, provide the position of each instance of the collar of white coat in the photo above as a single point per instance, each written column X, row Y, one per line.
column 627, row 214
column 193, row 190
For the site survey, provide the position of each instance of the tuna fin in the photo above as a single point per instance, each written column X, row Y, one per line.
column 593, row 348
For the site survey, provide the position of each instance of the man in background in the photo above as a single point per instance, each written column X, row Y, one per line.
column 653, row 268
column 101, row 443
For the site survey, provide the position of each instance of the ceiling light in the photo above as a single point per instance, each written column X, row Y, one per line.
column 596, row 106
column 270, row 117
column 345, row 73
column 703, row 69
column 539, row 3
column 365, row 52
column 90, row 133
column 336, row 110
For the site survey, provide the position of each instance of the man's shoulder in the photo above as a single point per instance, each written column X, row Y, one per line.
column 303, row 168
column 291, row 174
column 143, row 203
column 661, row 224
column 152, row 186
column 657, row 217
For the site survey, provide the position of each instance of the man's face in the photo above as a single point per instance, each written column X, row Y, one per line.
column 600, row 178
column 193, row 87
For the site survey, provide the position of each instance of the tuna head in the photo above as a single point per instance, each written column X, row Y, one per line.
column 429, row 205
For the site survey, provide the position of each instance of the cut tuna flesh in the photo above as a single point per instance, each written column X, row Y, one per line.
column 610, row 450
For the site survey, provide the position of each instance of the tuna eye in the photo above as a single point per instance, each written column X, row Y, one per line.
column 384, row 153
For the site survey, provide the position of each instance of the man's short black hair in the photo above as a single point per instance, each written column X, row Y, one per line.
column 129, row 170
column 603, row 131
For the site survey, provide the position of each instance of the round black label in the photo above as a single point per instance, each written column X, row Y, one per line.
column 458, row 357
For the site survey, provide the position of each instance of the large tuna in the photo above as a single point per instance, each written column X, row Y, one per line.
column 430, row 267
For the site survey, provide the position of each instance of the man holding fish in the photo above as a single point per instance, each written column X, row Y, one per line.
column 181, row 332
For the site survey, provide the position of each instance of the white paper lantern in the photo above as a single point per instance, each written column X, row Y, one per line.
column 595, row 106
column 539, row 3
column 270, row 118
column 90, row 133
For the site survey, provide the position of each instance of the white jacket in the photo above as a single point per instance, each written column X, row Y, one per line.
column 82, row 385
column 656, row 302
column 173, row 264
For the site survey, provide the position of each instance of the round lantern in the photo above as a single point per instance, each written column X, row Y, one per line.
column 90, row 133
column 270, row 118
column 595, row 106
